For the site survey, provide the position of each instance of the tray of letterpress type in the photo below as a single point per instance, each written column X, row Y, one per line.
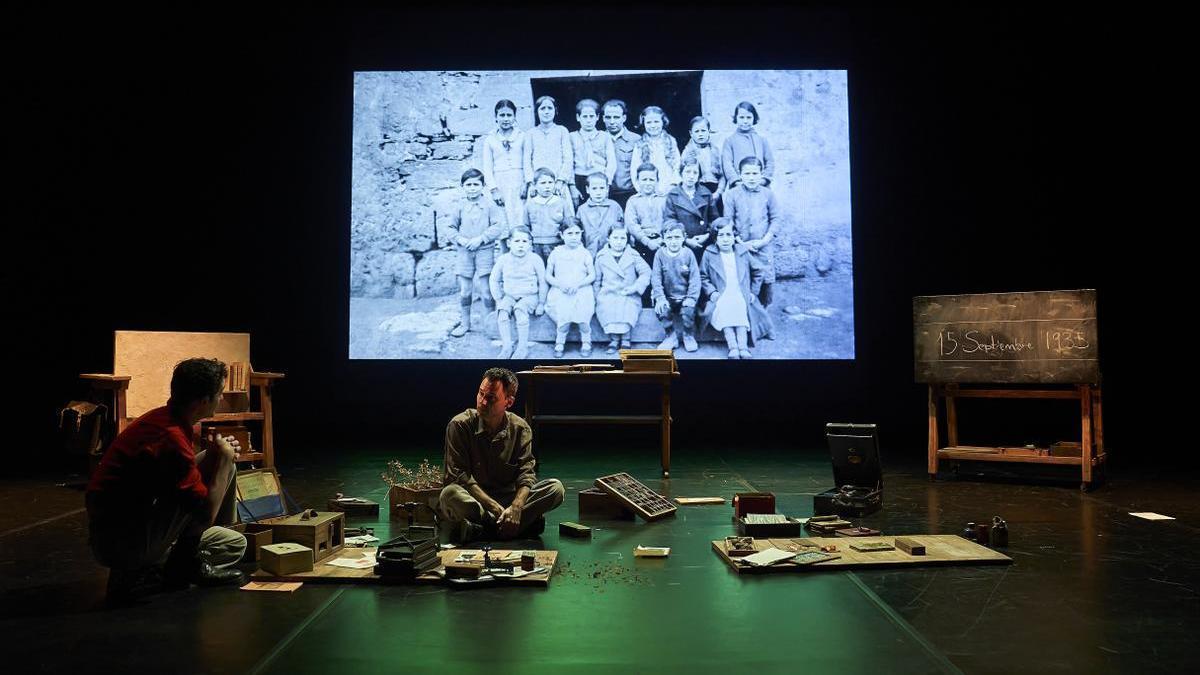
column 767, row 525
column 635, row 495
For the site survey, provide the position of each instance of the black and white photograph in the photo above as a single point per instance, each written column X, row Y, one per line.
column 566, row 214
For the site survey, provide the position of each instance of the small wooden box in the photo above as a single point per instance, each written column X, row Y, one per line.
column 287, row 558
column 753, row 502
column 596, row 503
column 324, row 533
column 257, row 535
column 910, row 546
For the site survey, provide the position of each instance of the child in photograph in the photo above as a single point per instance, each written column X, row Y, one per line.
column 707, row 156
column 518, row 284
column 621, row 279
column 657, row 147
column 599, row 214
column 692, row 204
column 675, row 283
column 746, row 142
column 591, row 148
column 644, row 212
column 548, row 146
column 502, row 161
column 755, row 214
column 624, row 142
column 570, row 273
column 475, row 225
column 727, row 272
column 545, row 212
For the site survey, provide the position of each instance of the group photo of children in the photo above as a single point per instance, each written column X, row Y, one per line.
column 595, row 228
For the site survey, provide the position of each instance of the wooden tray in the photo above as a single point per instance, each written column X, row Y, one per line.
column 323, row 572
column 940, row 549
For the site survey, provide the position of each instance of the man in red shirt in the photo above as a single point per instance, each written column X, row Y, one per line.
column 153, row 501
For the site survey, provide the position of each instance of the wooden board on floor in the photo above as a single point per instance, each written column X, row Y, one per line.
column 149, row 357
column 940, row 549
column 323, row 572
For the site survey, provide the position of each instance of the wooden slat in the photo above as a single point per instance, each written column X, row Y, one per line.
column 940, row 549
column 234, row 417
column 1017, row 393
column 104, row 377
column 978, row 455
column 602, row 376
column 597, row 419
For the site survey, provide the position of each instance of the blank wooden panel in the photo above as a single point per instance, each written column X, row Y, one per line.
column 1007, row 338
column 149, row 357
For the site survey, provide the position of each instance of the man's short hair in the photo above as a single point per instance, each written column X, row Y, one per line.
column 505, row 377
column 196, row 379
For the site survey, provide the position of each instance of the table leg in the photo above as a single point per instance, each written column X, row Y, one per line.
column 951, row 418
column 119, row 402
column 666, row 429
column 933, row 433
column 268, row 439
column 1085, row 410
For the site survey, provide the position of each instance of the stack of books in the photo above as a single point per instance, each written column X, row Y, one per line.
column 648, row 360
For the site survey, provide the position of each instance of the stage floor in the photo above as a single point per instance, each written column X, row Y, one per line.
column 1091, row 589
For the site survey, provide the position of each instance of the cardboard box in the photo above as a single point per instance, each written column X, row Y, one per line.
column 288, row 558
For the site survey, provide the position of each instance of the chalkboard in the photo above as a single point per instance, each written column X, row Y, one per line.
column 1007, row 338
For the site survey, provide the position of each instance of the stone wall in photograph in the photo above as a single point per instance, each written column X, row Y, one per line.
column 416, row 132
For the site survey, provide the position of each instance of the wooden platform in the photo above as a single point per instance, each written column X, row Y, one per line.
column 325, row 573
column 941, row 549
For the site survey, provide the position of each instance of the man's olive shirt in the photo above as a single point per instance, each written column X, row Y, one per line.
column 500, row 465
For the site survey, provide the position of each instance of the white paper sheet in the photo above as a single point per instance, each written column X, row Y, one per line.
column 1150, row 515
column 768, row 556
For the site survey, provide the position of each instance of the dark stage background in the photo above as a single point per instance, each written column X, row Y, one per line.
column 188, row 169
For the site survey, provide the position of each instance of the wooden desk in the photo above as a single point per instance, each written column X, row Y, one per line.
column 534, row 379
column 1092, row 455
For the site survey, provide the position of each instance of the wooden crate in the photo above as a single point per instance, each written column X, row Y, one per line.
column 426, row 500
column 324, row 533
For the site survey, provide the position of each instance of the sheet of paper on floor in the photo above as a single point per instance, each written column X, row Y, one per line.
column 1150, row 515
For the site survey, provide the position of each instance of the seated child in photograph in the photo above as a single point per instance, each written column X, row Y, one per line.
column 755, row 214
column 475, row 226
column 518, row 284
column 644, row 212
column 545, row 212
column 592, row 149
column 598, row 215
column 570, row 273
column 691, row 204
column 746, row 142
column 621, row 278
column 657, row 147
column 708, row 157
column 548, row 146
column 727, row 271
column 675, row 283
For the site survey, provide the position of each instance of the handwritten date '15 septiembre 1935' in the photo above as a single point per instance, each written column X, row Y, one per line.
column 1058, row 341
